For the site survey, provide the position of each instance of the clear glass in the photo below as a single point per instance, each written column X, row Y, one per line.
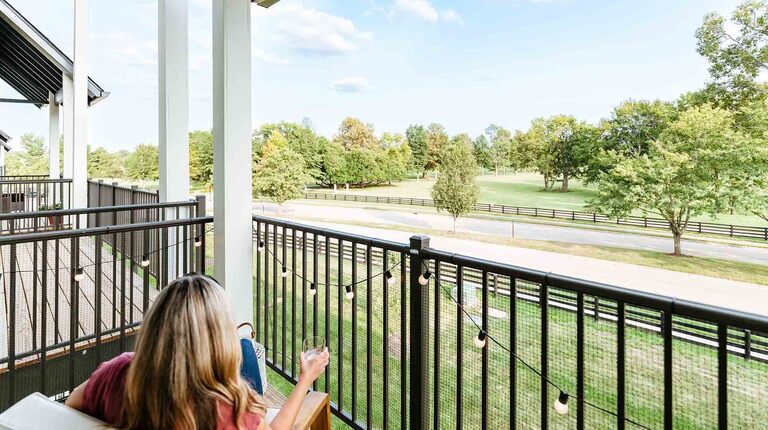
column 313, row 346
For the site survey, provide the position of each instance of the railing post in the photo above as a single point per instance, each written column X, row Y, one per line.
column 419, row 335
column 201, row 211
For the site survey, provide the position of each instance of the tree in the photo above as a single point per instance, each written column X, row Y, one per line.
column 535, row 145
column 31, row 159
column 455, row 190
column 501, row 147
column 103, row 164
column 437, row 138
column 144, row 163
column 687, row 172
column 416, row 136
column 354, row 134
column 201, row 156
column 482, row 152
column 301, row 139
column 736, row 56
column 280, row 174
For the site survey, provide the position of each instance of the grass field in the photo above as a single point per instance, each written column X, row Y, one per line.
column 694, row 366
column 526, row 189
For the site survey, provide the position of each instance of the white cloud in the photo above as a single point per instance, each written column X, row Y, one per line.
column 309, row 30
column 425, row 10
column 352, row 84
column 268, row 58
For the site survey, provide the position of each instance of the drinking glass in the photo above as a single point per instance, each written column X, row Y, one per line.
column 313, row 346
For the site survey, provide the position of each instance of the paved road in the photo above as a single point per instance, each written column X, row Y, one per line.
column 741, row 296
column 517, row 229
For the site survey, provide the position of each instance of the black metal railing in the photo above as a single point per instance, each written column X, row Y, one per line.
column 4, row 177
column 71, row 301
column 103, row 194
column 403, row 354
column 730, row 230
column 29, row 195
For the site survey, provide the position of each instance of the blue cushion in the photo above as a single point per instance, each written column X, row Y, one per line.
column 250, row 368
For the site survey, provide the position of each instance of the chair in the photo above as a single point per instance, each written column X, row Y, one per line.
column 39, row 412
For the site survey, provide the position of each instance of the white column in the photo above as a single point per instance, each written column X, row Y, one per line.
column 80, row 80
column 68, row 105
column 53, row 137
column 232, row 152
column 173, row 76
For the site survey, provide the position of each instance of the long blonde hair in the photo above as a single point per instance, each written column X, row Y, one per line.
column 187, row 362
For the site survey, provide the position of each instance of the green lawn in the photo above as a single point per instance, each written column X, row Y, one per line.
column 695, row 367
column 527, row 189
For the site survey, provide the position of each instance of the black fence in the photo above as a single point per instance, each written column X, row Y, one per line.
column 103, row 194
column 29, row 195
column 72, row 301
column 4, row 177
column 740, row 231
column 404, row 355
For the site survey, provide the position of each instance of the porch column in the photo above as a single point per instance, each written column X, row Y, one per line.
column 173, row 42
column 80, row 80
column 173, row 76
column 53, row 137
column 68, row 105
column 232, row 152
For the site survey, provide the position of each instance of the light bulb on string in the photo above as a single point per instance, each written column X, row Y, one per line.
column 198, row 242
column 481, row 339
column 261, row 246
column 312, row 289
column 145, row 261
column 284, row 273
column 424, row 278
column 561, row 404
column 79, row 274
column 391, row 281
column 350, row 292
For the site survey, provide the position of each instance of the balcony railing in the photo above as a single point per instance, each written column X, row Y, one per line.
column 29, row 195
column 74, row 298
column 403, row 354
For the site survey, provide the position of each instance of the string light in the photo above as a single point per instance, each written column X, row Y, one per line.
column 481, row 339
column 312, row 289
column 198, row 242
column 284, row 274
column 391, row 281
column 261, row 246
column 79, row 274
column 424, row 278
column 561, row 404
column 350, row 292
column 144, row 260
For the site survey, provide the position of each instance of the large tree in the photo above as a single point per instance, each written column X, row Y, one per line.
column 301, row 138
column 201, row 156
column 482, row 152
column 455, row 190
column 354, row 134
column 30, row 159
column 500, row 151
column 416, row 136
column 737, row 53
column 437, row 138
column 143, row 163
column 103, row 164
column 687, row 172
column 280, row 173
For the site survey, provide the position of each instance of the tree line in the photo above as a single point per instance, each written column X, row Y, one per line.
column 703, row 153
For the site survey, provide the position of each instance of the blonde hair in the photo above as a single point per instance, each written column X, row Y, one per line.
column 187, row 362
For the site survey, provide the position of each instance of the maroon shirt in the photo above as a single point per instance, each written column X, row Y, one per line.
column 105, row 391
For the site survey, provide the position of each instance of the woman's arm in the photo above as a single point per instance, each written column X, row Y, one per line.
column 309, row 372
column 76, row 397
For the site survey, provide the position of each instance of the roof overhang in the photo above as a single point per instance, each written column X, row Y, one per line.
column 265, row 3
column 31, row 64
column 4, row 139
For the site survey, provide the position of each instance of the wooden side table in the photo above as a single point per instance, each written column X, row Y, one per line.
column 315, row 411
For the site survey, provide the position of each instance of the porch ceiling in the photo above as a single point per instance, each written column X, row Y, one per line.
column 31, row 64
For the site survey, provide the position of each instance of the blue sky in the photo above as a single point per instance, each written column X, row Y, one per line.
column 462, row 63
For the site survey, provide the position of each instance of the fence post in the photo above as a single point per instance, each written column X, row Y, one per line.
column 114, row 202
column 419, row 345
column 201, row 212
column 747, row 344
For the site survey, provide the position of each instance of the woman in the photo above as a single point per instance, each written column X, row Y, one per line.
column 185, row 371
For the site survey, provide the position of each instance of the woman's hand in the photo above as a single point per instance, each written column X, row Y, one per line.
column 312, row 369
